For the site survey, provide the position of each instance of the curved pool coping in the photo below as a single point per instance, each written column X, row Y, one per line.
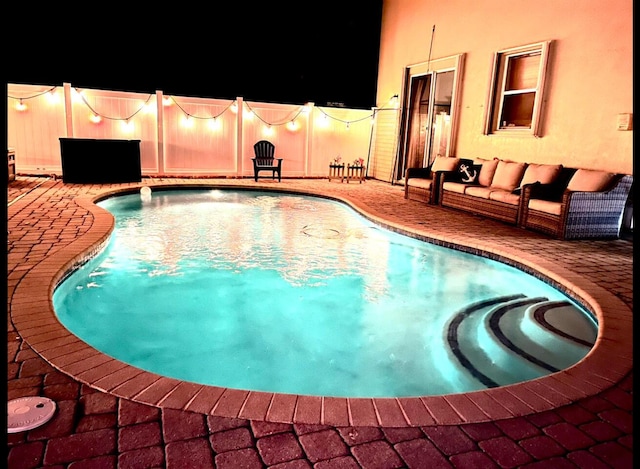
column 607, row 363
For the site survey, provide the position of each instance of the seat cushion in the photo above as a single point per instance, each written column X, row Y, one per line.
column 588, row 180
column 542, row 173
column 487, row 170
column 508, row 175
column 478, row 191
column 445, row 163
column 422, row 183
column 505, row 196
column 457, row 187
column 545, row 206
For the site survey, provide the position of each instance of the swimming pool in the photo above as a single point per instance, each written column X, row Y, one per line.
column 210, row 278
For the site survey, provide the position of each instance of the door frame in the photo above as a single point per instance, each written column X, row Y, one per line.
column 453, row 63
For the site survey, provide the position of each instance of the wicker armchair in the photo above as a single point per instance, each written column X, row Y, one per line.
column 578, row 214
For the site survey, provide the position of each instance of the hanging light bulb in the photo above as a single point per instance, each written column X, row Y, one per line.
column 167, row 101
column 21, row 106
column 53, row 97
column 234, row 107
column 95, row 118
column 214, row 123
column 127, row 125
column 187, row 121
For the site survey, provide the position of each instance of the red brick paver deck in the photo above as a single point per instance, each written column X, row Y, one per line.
column 113, row 415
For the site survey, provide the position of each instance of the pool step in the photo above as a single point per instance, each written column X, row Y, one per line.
column 533, row 338
column 517, row 339
column 470, row 353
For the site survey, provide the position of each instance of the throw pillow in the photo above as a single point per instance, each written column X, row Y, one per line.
column 542, row 173
column 508, row 175
column 589, row 180
column 468, row 172
column 445, row 163
column 487, row 171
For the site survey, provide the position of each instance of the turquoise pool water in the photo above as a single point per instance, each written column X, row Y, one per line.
column 297, row 294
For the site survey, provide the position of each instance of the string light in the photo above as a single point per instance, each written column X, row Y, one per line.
column 21, row 106
column 187, row 121
column 53, row 97
column 267, row 130
column 126, row 119
column 214, row 123
column 127, row 125
column 249, row 113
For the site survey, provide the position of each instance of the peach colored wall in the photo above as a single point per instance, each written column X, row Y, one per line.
column 589, row 79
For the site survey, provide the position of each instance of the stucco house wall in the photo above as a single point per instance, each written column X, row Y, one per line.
column 588, row 81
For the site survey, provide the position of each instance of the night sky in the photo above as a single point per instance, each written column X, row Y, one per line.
column 282, row 52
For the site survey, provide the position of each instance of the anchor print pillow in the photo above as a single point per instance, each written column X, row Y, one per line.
column 468, row 172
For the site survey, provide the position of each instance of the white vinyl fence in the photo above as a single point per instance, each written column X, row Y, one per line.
column 180, row 135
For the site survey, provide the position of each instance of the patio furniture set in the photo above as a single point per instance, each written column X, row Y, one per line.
column 566, row 203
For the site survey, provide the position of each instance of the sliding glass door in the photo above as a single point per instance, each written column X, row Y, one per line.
column 427, row 120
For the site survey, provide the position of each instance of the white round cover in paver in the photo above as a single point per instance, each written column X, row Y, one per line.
column 30, row 412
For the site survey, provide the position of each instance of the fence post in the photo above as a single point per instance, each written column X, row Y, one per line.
column 68, row 109
column 160, row 131
column 308, row 150
column 239, row 138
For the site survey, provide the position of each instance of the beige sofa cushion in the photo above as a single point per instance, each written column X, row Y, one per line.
column 478, row 191
column 487, row 170
column 422, row 183
column 505, row 196
column 508, row 175
column 545, row 206
column 458, row 187
column 588, row 180
column 445, row 163
column 542, row 173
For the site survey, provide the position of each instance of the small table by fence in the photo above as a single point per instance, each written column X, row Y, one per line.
column 355, row 173
column 336, row 171
column 11, row 164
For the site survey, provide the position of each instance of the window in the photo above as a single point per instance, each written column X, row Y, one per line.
column 517, row 89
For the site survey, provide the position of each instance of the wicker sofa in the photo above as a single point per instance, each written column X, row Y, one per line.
column 493, row 188
column 566, row 203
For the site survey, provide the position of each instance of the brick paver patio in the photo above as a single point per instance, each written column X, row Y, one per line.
column 96, row 429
